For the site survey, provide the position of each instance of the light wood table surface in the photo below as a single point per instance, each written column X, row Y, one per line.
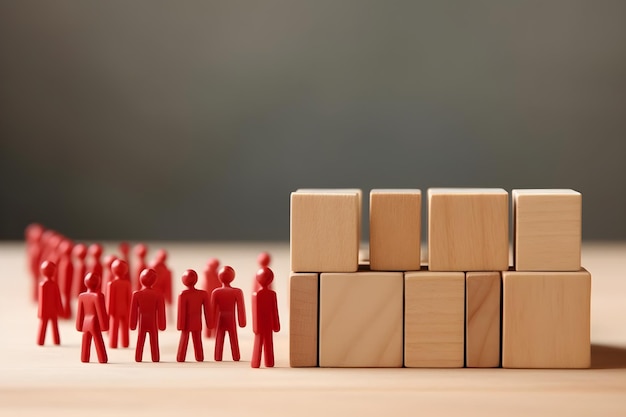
column 50, row 381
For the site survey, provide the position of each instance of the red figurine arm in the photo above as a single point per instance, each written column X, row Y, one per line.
column 80, row 315
column 206, row 307
column 255, row 313
column 213, row 315
column 58, row 301
column 276, row 321
column 182, row 313
column 133, row 311
column 40, row 301
column 241, row 309
column 161, row 312
column 110, row 298
column 101, row 312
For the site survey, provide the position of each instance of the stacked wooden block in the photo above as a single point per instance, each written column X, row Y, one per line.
column 466, row 307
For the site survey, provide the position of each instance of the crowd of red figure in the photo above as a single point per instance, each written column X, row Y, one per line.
column 116, row 298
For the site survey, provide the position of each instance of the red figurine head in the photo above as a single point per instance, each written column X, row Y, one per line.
column 161, row 256
column 124, row 249
column 119, row 268
column 148, row 277
column 190, row 277
column 48, row 269
column 141, row 250
column 33, row 232
column 66, row 247
column 95, row 250
column 213, row 264
column 80, row 251
column 264, row 277
column 109, row 259
column 264, row 259
column 226, row 275
column 92, row 282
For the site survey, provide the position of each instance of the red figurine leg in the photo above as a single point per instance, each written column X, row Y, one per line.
column 219, row 344
column 256, row 352
column 154, row 345
column 125, row 331
column 182, row 346
column 268, row 348
column 43, row 324
column 197, row 345
column 55, row 331
column 86, row 348
column 100, row 349
column 141, row 340
column 113, row 330
column 234, row 345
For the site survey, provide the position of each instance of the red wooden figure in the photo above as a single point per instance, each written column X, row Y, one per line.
column 107, row 274
column 80, row 252
column 66, row 276
column 147, row 308
column 264, row 319
column 50, row 306
column 225, row 300
column 95, row 251
column 118, row 303
column 140, row 251
column 91, row 319
column 164, row 275
column 191, row 304
column 211, row 282
column 263, row 260
column 34, row 231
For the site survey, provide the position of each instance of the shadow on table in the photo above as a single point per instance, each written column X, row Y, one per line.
column 608, row 357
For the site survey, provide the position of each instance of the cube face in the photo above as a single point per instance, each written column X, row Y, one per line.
column 468, row 229
column 361, row 319
column 546, row 319
column 325, row 230
column 434, row 319
column 303, row 319
column 395, row 230
column 482, row 319
column 548, row 226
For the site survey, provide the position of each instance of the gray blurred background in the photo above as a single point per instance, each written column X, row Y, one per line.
column 195, row 119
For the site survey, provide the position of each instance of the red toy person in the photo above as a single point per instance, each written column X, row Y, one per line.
column 147, row 308
column 118, row 303
column 91, row 319
column 107, row 274
column 211, row 282
column 164, row 275
column 225, row 301
column 140, row 251
column 80, row 251
column 95, row 250
column 191, row 303
column 264, row 319
column 65, row 276
column 50, row 306
column 33, row 234
column 263, row 260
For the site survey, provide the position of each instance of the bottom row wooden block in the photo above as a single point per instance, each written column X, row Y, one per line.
column 441, row 319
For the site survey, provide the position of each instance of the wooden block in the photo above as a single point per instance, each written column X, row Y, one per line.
column 468, row 229
column 434, row 319
column 482, row 319
column 303, row 319
column 395, row 230
column 546, row 319
column 325, row 230
column 361, row 319
column 547, row 226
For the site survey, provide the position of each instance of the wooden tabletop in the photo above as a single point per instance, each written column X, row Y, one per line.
column 50, row 381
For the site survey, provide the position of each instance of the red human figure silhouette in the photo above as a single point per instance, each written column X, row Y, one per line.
column 211, row 282
column 224, row 301
column 50, row 306
column 95, row 251
column 125, row 251
column 263, row 260
column 118, row 303
column 33, row 233
column 140, row 251
column 107, row 274
column 80, row 252
column 191, row 303
column 91, row 319
column 264, row 319
column 66, row 276
column 147, row 308
column 164, row 275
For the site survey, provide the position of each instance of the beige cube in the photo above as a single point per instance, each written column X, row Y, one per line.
column 482, row 319
column 548, row 226
column 434, row 319
column 325, row 230
column 546, row 319
column 361, row 319
column 395, row 229
column 468, row 229
column 303, row 322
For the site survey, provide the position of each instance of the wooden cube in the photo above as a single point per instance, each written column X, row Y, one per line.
column 546, row 319
column 395, row 229
column 361, row 319
column 325, row 230
column 482, row 319
column 303, row 322
column 468, row 229
column 548, row 227
column 434, row 319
